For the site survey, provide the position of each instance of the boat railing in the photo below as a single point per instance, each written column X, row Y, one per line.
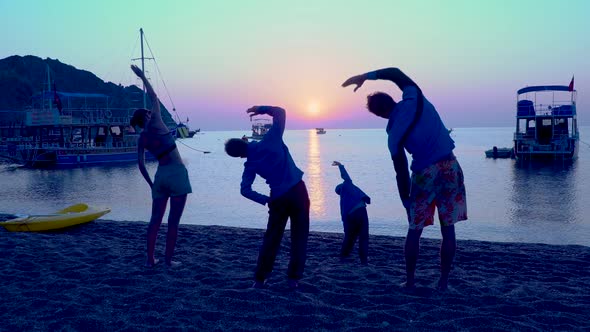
column 95, row 116
column 527, row 108
column 76, row 146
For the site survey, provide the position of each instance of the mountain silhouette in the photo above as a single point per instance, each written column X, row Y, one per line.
column 23, row 76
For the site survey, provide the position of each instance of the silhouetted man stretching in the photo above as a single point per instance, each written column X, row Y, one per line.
column 437, row 178
column 270, row 158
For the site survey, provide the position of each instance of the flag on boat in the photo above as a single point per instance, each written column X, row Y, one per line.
column 571, row 86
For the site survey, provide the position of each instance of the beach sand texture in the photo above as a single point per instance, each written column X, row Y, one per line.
column 92, row 278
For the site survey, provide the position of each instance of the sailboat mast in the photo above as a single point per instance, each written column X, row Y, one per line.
column 142, row 66
column 48, row 88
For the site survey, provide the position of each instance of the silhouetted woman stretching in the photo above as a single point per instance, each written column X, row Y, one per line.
column 171, row 179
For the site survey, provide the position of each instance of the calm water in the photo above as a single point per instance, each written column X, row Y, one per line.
column 506, row 202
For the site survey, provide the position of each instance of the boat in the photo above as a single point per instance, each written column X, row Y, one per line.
column 183, row 130
column 63, row 130
column 546, row 123
column 320, row 131
column 71, row 216
column 260, row 126
column 497, row 152
column 84, row 132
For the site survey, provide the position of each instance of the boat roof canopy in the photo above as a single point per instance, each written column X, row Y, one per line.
column 49, row 94
column 544, row 88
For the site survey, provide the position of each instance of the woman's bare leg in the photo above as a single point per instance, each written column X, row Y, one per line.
column 176, row 208
column 158, row 210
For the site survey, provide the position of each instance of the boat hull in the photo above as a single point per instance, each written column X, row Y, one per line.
column 540, row 152
column 73, row 158
column 500, row 153
column 71, row 216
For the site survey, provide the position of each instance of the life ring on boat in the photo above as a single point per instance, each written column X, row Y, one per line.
column 108, row 114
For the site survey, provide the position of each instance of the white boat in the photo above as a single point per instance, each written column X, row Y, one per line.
column 546, row 123
column 260, row 126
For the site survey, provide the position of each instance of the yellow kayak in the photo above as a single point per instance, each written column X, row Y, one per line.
column 73, row 215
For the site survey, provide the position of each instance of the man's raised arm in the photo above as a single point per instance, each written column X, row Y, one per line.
column 391, row 74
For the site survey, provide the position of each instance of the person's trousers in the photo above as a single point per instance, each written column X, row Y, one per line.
column 356, row 225
column 293, row 204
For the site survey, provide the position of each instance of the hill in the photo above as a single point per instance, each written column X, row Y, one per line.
column 23, row 76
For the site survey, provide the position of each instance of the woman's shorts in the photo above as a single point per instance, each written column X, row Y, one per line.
column 171, row 180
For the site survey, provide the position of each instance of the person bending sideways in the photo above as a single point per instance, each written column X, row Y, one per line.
column 353, row 209
column 171, row 181
column 270, row 159
column 437, row 179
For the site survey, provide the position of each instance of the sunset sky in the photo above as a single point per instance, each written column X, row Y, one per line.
column 217, row 58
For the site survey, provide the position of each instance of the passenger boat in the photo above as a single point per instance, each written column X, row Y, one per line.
column 71, row 216
column 546, row 123
column 260, row 126
column 86, row 132
column 68, row 130
column 320, row 131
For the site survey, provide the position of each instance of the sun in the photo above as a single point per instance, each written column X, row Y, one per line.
column 313, row 108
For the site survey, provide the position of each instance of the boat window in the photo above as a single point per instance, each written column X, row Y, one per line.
column 521, row 126
column 77, row 135
column 546, row 122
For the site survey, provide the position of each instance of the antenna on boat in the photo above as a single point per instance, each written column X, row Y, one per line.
column 48, row 88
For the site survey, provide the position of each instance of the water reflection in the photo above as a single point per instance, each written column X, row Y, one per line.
column 43, row 191
column 314, row 178
column 544, row 194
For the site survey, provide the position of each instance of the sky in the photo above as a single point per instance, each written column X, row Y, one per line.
column 214, row 59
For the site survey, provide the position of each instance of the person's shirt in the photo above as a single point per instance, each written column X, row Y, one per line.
column 270, row 159
column 428, row 142
column 351, row 196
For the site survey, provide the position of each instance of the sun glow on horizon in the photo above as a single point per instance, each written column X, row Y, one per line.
column 314, row 108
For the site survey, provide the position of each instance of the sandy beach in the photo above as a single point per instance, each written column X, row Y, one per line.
column 92, row 278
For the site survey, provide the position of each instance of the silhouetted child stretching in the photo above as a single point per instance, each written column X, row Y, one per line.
column 353, row 203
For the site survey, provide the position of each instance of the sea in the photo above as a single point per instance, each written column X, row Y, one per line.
column 508, row 201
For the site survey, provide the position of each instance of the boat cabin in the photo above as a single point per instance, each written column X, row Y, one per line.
column 546, row 122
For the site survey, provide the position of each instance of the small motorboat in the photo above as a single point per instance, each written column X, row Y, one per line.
column 73, row 215
column 496, row 152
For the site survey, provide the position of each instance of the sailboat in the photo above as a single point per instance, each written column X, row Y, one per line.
column 67, row 130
